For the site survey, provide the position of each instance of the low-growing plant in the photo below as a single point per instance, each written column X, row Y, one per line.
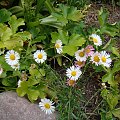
column 54, row 54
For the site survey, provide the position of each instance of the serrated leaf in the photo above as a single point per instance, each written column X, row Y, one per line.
column 14, row 43
column 5, row 32
column 32, row 94
column 70, row 49
column 112, row 100
column 15, row 23
column 116, row 67
column 5, row 15
column 22, row 90
column 116, row 112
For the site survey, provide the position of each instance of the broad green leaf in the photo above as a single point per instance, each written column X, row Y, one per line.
column 76, row 40
column 70, row 49
column 5, row 66
column 109, row 77
column 115, row 51
column 15, row 23
column 5, row 32
column 23, row 35
column 32, row 94
column 109, row 116
column 116, row 112
column 33, row 81
column 14, row 43
column 22, row 90
column 5, row 15
column 62, row 35
column 9, row 81
column 55, row 36
column 112, row 100
column 3, row 75
column 116, row 67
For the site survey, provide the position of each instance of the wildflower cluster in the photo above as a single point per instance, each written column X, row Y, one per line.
column 81, row 56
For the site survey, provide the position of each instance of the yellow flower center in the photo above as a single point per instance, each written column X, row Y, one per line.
column 96, row 59
column 81, row 54
column 95, row 40
column 103, row 59
column 12, row 57
column 79, row 63
column 57, row 45
column 71, row 82
column 47, row 106
column 40, row 56
column 73, row 73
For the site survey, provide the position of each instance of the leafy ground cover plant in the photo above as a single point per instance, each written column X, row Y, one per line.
column 55, row 56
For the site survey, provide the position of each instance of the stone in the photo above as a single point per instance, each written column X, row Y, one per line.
column 13, row 107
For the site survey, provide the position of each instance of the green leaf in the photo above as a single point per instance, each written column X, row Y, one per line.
column 59, row 60
column 5, row 15
column 9, row 81
column 5, row 66
column 23, row 35
column 115, row 51
column 22, row 90
column 76, row 40
column 116, row 67
column 32, row 94
column 15, row 23
column 116, row 112
column 109, row 77
column 102, row 17
column 14, row 43
column 5, row 32
column 62, row 35
column 70, row 49
column 112, row 100
column 38, row 39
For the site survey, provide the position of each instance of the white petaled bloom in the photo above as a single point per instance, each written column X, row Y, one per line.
column 80, row 55
column 16, row 67
column 40, row 56
column 19, row 83
column 12, row 57
column 71, row 82
column 95, row 58
column 96, row 39
column 47, row 106
column 58, row 46
column 1, row 70
column 105, row 59
column 73, row 73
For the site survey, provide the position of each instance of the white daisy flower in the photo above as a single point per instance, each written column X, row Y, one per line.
column 58, row 46
column 96, row 39
column 40, row 56
column 95, row 58
column 19, row 83
column 73, row 73
column 80, row 55
column 12, row 57
column 47, row 106
column 105, row 59
column 16, row 67
column 1, row 70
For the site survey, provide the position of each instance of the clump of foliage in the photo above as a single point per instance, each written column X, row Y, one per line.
column 60, row 32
